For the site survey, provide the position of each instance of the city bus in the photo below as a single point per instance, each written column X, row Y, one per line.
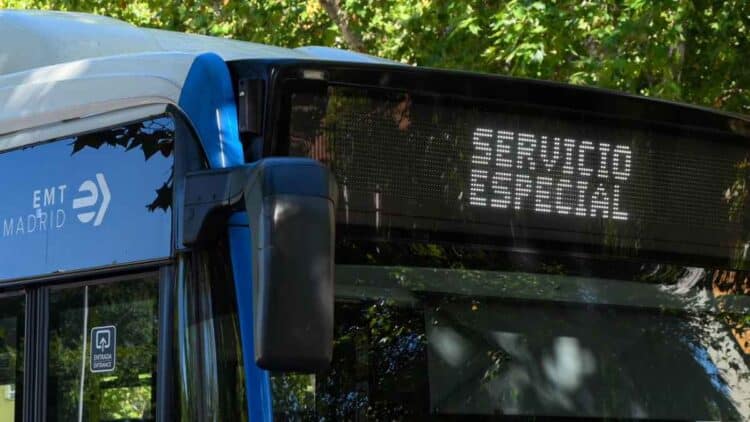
column 199, row 229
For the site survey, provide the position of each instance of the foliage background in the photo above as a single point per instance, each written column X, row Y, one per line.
column 694, row 51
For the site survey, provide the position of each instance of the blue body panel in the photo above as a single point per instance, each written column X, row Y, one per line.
column 64, row 202
column 208, row 100
column 258, row 383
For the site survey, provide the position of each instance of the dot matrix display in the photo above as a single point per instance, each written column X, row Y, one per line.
column 523, row 177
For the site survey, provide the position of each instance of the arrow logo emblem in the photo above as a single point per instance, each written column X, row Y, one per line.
column 102, row 338
column 91, row 193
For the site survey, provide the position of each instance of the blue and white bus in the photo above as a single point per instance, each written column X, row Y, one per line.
column 203, row 229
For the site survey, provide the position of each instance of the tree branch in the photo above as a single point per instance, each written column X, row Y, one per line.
column 339, row 17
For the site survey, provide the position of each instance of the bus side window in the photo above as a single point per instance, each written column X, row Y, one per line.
column 11, row 356
column 102, row 350
column 210, row 347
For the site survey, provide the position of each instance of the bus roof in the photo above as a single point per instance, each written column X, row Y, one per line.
column 33, row 39
column 60, row 66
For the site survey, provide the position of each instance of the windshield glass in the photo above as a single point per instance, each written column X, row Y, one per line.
column 481, row 273
column 537, row 338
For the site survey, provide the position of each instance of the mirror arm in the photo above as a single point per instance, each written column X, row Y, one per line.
column 210, row 197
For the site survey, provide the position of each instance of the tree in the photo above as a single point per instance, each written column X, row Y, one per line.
column 686, row 50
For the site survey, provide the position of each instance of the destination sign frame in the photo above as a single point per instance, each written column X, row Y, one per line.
column 420, row 161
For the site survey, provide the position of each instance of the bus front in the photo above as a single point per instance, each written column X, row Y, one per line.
column 517, row 248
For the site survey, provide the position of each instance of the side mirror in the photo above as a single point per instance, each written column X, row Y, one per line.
column 290, row 204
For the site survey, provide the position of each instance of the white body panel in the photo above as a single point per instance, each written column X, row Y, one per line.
column 31, row 40
column 57, row 67
column 49, row 95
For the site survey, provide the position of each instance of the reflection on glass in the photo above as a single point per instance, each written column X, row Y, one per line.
column 127, row 392
column 210, row 375
column 736, row 197
column 98, row 199
column 151, row 137
column 11, row 357
column 425, row 341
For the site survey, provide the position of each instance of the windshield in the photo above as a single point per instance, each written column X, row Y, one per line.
column 535, row 338
column 468, row 284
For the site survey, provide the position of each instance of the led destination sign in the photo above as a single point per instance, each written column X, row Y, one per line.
column 572, row 177
column 433, row 164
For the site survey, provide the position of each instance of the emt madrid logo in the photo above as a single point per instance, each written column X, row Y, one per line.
column 50, row 207
column 89, row 199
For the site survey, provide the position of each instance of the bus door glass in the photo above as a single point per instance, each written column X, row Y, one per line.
column 12, row 334
column 102, row 350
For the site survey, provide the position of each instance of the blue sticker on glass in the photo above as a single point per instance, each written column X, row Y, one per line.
column 94, row 200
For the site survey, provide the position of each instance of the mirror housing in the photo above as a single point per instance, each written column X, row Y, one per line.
column 290, row 204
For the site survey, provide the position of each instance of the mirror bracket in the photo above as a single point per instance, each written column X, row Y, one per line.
column 212, row 195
